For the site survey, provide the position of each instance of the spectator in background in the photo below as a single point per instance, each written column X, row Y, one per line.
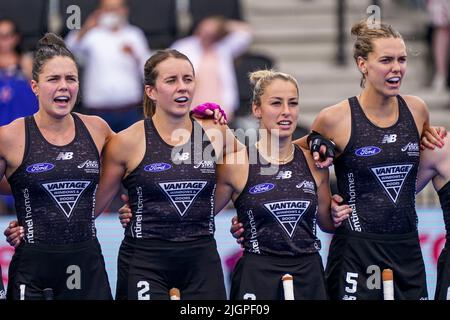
column 113, row 53
column 439, row 13
column 16, row 97
column 212, row 48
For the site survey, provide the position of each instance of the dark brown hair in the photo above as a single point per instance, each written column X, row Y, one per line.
column 151, row 74
column 49, row 46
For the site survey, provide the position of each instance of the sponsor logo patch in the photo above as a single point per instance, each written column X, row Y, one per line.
column 66, row 193
column 205, row 166
column 287, row 213
column 65, row 156
column 178, row 157
column 367, row 151
column 89, row 166
column 157, row 167
column 40, row 167
column 392, row 178
column 412, row 148
column 182, row 194
column 307, row 186
column 284, row 174
column 389, row 138
column 260, row 188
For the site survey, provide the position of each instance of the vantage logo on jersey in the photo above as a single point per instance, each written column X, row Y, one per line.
column 287, row 213
column 66, row 193
column 392, row 178
column 182, row 194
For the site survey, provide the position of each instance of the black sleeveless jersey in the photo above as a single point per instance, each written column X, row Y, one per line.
column 172, row 190
column 279, row 211
column 54, row 187
column 376, row 173
column 444, row 198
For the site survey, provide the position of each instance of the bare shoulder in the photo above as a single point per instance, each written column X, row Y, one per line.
column 130, row 136
column 416, row 104
column 95, row 124
column 334, row 123
column 331, row 116
column 12, row 132
column 414, row 101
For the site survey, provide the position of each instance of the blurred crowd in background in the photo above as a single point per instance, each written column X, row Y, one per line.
column 112, row 39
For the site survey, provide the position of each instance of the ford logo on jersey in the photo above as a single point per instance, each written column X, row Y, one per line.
column 157, row 167
column 40, row 167
column 367, row 151
column 260, row 188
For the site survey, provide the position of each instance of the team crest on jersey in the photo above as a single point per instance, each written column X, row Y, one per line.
column 392, row 178
column 287, row 213
column 66, row 193
column 182, row 194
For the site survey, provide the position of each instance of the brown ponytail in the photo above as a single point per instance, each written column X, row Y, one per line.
column 151, row 73
column 49, row 46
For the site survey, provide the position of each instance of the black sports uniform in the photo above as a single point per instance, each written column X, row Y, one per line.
column 170, row 240
column 54, row 190
column 376, row 175
column 279, row 217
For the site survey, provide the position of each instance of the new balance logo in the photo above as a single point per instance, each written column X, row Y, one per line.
column 287, row 213
column 66, row 193
column 389, row 138
column 64, row 156
column 182, row 194
column 392, row 178
column 181, row 156
column 284, row 175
